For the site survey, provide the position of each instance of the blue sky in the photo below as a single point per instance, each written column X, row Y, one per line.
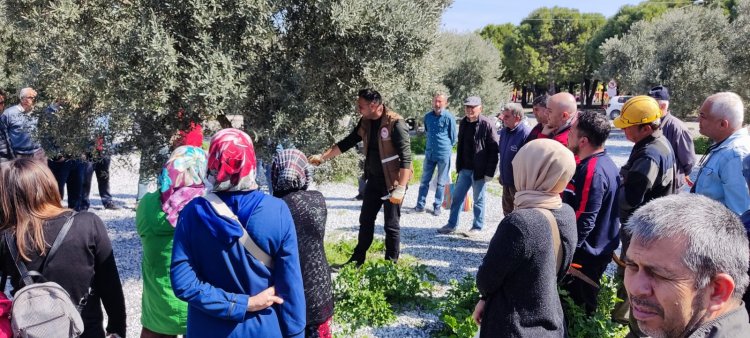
column 470, row 15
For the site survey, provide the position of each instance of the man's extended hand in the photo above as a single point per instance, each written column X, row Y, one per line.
column 316, row 159
column 397, row 195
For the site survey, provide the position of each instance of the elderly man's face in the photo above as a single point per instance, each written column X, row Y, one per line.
column 509, row 119
column 662, row 293
column 439, row 102
column 28, row 100
column 473, row 112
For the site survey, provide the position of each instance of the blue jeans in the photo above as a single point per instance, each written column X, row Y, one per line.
column 442, row 177
column 465, row 181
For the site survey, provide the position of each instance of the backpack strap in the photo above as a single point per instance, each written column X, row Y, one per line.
column 60, row 237
column 222, row 209
column 10, row 241
column 26, row 275
column 556, row 244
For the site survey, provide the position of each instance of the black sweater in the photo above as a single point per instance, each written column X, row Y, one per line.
column 518, row 276
column 309, row 213
column 86, row 252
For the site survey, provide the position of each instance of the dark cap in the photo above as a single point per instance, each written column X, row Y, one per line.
column 473, row 101
column 660, row 93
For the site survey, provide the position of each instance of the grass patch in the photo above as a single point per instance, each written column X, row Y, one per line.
column 456, row 309
column 418, row 165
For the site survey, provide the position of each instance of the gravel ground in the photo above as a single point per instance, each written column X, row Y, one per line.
column 448, row 256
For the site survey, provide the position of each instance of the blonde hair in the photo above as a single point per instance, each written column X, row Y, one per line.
column 29, row 196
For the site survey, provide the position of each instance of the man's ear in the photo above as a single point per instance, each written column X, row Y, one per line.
column 720, row 291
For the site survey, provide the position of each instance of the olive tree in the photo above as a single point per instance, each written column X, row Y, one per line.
column 683, row 50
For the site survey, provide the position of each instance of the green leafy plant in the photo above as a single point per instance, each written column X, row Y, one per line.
column 456, row 309
column 598, row 324
column 366, row 295
column 418, row 144
column 701, row 144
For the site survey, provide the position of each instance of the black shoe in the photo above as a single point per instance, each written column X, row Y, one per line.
column 111, row 206
column 359, row 197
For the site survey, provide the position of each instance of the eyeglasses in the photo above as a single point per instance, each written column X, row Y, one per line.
column 32, row 98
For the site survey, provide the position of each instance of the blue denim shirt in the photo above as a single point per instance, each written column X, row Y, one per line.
column 441, row 134
column 20, row 128
column 721, row 178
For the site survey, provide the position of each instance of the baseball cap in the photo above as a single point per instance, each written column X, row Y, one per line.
column 659, row 93
column 473, row 101
column 640, row 109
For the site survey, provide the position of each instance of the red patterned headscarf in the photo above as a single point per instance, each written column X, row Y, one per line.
column 231, row 161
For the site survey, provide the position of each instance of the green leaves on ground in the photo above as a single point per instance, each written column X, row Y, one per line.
column 367, row 295
column 599, row 324
column 456, row 309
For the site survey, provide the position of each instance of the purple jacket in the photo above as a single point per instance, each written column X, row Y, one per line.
column 511, row 141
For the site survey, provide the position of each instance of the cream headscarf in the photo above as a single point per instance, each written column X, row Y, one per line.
column 541, row 170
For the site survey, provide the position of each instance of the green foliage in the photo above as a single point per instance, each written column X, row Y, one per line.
column 339, row 252
column 683, row 50
column 620, row 24
column 418, row 164
column 497, row 34
column 365, row 296
column 346, row 167
column 701, row 144
column 599, row 324
column 418, row 144
column 456, row 309
column 468, row 65
column 739, row 58
column 548, row 46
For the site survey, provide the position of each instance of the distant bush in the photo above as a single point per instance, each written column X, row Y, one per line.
column 701, row 144
column 418, row 144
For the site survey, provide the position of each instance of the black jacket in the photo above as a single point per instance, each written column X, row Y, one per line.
column 519, row 275
column 485, row 147
column 648, row 174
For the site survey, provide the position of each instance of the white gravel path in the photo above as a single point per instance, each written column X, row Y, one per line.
column 449, row 257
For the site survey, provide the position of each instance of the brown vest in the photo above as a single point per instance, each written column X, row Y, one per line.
column 388, row 155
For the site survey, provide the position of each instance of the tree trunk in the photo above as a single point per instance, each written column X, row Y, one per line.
column 524, row 101
column 571, row 88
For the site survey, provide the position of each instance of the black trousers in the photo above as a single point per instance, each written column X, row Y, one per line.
column 69, row 172
column 593, row 267
column 100, row 167
column 374, row 191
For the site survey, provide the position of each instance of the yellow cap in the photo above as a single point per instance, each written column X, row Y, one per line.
column 640, row 109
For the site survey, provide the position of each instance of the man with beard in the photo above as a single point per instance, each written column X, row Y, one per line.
column 593, row 195
column 388, row 168
column 686, row 271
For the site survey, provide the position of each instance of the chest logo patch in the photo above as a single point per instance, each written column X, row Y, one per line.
column 384, row 133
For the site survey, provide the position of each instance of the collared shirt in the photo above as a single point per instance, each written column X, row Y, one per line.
column 719, row 175
column 19, row 127
column 441, row 134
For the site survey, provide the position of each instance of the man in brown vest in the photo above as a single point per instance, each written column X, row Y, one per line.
column 387, row 168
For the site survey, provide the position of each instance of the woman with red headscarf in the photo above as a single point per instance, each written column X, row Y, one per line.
column 230, row 291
